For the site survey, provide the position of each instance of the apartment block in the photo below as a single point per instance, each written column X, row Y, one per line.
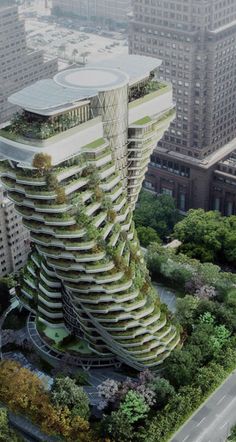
column 14, row 238
column 76, row 185
column 19, row 66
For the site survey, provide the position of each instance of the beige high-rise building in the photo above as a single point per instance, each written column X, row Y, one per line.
column 19, row 66
column 195, row 160
column 109, row 10
column 14, row 238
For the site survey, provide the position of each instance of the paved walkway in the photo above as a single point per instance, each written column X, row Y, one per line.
column 213, row 421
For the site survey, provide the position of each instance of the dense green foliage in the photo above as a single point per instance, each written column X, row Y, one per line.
column 147, row 235
column 232, row 436
column 208, row 236
column 156, row 212
column 206, row 356
column 6, row 283
column 134, row 407
column 65, row 392
column 6, row 433
column 23, row 392
column 190, row 275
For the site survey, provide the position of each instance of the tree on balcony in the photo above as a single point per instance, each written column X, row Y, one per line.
column 42, row 162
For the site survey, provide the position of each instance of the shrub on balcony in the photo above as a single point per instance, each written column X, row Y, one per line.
column 52, row 181
column 42, row 161
column 61, row 195
column 111, row 215
column 92, row 232
column 98, row 194
column 106, row 203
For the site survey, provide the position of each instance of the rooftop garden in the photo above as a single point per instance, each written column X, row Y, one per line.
column 62, row 340
column 28, row 125
column 145, row 88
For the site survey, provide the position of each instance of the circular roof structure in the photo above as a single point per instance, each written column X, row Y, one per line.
column 92, row 78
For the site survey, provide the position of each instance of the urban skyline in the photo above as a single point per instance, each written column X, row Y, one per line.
column 19, row 66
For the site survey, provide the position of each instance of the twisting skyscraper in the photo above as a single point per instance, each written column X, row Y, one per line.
column 76, row 161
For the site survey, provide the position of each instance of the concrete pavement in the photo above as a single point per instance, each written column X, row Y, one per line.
column 212, row 422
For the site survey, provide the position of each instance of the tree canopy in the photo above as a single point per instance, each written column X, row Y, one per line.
column 208, row 236
column 157, row 212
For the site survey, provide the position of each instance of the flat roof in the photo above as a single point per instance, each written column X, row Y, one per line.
column 74, row 85
column 92, row 79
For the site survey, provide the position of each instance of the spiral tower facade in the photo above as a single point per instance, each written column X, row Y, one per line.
column 74, row 172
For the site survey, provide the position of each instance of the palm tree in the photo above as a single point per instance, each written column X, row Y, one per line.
column 84, row 55
column 62, row 49
column 74, row 53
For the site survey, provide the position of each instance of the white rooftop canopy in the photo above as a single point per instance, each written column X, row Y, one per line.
column 74, row 85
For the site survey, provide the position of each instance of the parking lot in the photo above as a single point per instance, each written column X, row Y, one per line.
column 70, row 40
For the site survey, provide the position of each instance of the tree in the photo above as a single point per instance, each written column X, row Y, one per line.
column 62, row 49
column 147, row 235
column 65, row 392
column 230, row 240
column 6, row 283
column 61, row 195
column 108, row 392
column 6, row 434
column 163, row 391
column 185, row 310
column 209, row 377
column 118, row 427
column 134, row 407
column 20, row 388
column 42, row 161
column 232, row 436
column 180, row 368
column 74, row 53
column 207, row 236
column 159, row 213
column 52, row 181
column 84, row 55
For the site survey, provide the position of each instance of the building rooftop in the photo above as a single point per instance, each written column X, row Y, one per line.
column 74, row 85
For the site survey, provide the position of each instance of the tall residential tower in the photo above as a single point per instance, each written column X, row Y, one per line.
column 196, row 41
column 74, row 172
column 19, row 66
column 14, row 237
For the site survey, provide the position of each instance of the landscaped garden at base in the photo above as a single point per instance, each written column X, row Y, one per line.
column 150, row 407
column 60, row 339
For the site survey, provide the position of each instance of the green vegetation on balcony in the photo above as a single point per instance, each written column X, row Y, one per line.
column 142, row 121
column 145, row 91
column 96, row 143
column 39, row 127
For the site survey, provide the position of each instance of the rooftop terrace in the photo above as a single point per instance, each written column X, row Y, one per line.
column 73, row 85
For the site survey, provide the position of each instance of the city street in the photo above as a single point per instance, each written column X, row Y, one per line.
column 213, row 421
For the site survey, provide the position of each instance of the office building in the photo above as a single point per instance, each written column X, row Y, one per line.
column 19, row 66
column 108, row 11
column 75, row 185
column 196, row 41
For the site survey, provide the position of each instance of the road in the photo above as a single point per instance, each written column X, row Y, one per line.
column 212, row 422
